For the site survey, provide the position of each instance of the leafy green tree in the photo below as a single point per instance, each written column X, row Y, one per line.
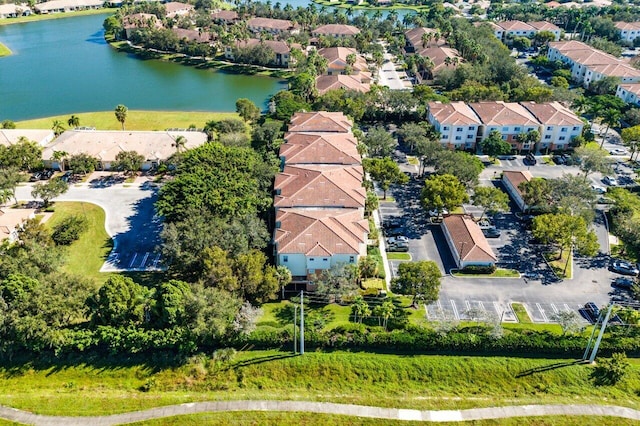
column 227, row 181
column 73, row 121
column 360, row 309
column 536, row 194
column 490, row 199
column 7, row 124
column 82, row 163
column 521, row 43
column 60, row 157
column 304, row 86
column 49, row 190
column 631, row 139
column 572, row 195
column 287, row 103
column 57, row 127
column 371, row 203
column 17, row 287
column 605, row 86
column 247, row 109
column 367, row 267
column 412, row 134
column 494, row 145
column 569, row 321
column 418, row 279
column 379, row 142
column 610, row 117
column 9, row 179
column 592, row 159
column 128, row 162
column 560, row 82
column 267, row 137
column 443, row 192
column 218, row 269
column 386, row 172
column 119, row 302
column 257, row 280
column 121, row 114
column 541, row 38
column 69, row 229
column 610, row 371
column 171, row 303
column 464, row 166
column 24, row 154
column 337, row 283
column 179, row 143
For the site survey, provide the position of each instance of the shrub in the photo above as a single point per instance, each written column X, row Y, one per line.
column 69, row 230
column 477, row 269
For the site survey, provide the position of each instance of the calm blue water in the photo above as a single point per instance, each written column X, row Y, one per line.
column 65, row 66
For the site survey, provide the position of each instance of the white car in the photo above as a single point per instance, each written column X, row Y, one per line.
column 436, row 213
column 610, row 180
column 598, row 189
column 618, row 151
column 400, row 239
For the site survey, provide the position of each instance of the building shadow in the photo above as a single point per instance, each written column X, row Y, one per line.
column 549, row 367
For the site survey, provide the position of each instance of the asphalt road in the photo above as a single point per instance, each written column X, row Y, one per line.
column 130, row 221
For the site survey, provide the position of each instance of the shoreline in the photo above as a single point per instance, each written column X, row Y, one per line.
column 342, row 4
column 4, row 51
column 199, row 62
column 49, row 16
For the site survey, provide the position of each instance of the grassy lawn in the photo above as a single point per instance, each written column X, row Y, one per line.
column 368, row 6
column 413, row 160
column 35, row 17
column 374, row 252
column 136, row 120
column 85, row 256
column 404, row 381
column 4, row 50
column 295, row 419
column 398, row 256
column 499, row 273
column 388, row 199
column 521, row 313
column 376, row 283
column 559, row 265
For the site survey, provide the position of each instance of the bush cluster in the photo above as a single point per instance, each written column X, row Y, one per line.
column 69, row 230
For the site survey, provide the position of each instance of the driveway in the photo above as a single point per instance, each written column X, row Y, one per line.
column 389, row 76
column 130, row 220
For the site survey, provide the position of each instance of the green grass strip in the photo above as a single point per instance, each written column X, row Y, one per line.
column 521, row 313
column 4, row 50
column 49, row 16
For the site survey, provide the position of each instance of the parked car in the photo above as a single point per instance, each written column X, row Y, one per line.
column 436, row 212
column 610, row 180
column 46, row 174
column 530, row 160
column 623, row 267
column 623, row 282
column 35, row 177
column 491, row 232
column 506, row 157
column 618, row 151
column 66, row 176
column 559, row 159
column 598, row 189
column 591, row 312
column 399, row 243
column 485, row 223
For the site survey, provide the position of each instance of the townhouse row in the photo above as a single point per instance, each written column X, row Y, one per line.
column 589, row 65
column 319, row 198
column 464, row 125
column 507, row 30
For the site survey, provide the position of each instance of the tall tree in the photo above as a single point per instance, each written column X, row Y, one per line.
column 179, row 143
column 73, row 121
column 379, row 142
column 49, row 190
column 536, row 194
column 385, row 172
column 82, row 163
column 119, row 302
column 59, row 157
column 443, row 192
column 592, row 159
column 128, row 162
column 490, row 199
column 464, row 166
column 610, row 117
column 494, row 145
column 121, row 114
column 247, row 109
column 57, row 127
column 338, row 282
column 418, row 279
column 631, row 139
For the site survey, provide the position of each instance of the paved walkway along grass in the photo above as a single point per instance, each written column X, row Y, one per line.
column 326, row 408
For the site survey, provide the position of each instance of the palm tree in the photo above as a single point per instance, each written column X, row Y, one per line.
column 447, row 61
column 121, row 114
column 59, row 157
column 57, row 127
column 611, row 117
column 73, row 121
column 179, row 143
column 426, row 39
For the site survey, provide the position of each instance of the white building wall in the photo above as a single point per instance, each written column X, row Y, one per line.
column 515, row 196
column 297, row 263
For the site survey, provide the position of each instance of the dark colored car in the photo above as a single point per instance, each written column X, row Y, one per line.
column 491, row 233
column 625, row 268
column 36, row 176
column 66, row 176
column 591, row 312
column 623, row 282
column 46, row 174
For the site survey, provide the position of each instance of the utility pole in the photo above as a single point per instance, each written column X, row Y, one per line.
column 593, row 333
column 295, row 329
column 301, row 322
column 604, row 325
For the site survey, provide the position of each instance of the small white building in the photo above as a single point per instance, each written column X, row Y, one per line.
column 629, row 92
column 457, row 123
column 629, row 31
column 11, row 220
column 40, row 136
column 63, row 6
column 466, row 241
column 14, row 10
column 512, row 181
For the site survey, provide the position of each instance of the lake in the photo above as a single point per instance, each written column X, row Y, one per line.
column 64, row 66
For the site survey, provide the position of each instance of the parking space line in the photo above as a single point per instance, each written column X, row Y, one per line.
column 133, row 260
column 157, row 259
column 455, row 310
column 567, row 308
column 144, row 259
column 480, row 305
column 555, row 310
column 544, row 316
column 468, row 304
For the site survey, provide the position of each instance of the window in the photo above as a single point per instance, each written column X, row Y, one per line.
column 459, row 129
column 472, row 127
column 504, row 137
column 563, row 129
column 561, row 138
column 516, row 129
column 505, row 129
column 311, row 260
column 469, row 136
column 575, row 128
column 352, row 259
column 549, row 128
column 458, row 138
column 445, row 128
column 547, row 137
column 444, row 136
column 325, row 259
column 285, row 258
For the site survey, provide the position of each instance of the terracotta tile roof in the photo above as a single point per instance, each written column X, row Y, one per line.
column 324, row 83
column 320, row 186
column 10, row 219
column 553, row 114
column 631, row 88
column 500, row 113
column 468, row 240
column 274, row 24
column 106, row 144
column 438, row 54
column 225, row 15
column 453, row 113
column 337, row 58
column 516, row 178
column 567, row 46
column 194, row 35
column 618, row 69
column 336, row 29
column 321, row 121
column 175, row 7
column 628, row 26
column 591, row 57
column 275, row 45
column 320, row 232
column 414, row 36
column 328, row 148
column 544, row 26
column 515, row 26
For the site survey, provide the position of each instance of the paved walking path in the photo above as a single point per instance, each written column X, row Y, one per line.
column 325, row 408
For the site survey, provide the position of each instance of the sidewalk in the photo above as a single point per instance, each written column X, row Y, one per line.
column 326, row 408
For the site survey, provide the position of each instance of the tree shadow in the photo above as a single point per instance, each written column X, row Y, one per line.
column 261, row 360
column 549, row 367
